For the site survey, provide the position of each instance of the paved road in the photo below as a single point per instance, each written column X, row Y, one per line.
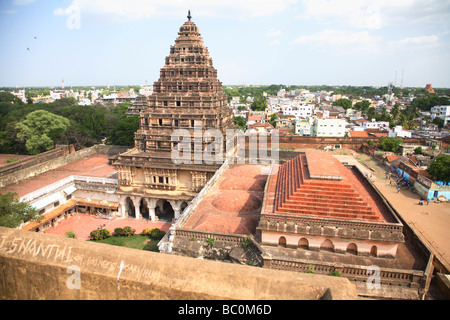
column 431, row 222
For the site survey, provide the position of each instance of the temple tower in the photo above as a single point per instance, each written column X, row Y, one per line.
column 187, row 96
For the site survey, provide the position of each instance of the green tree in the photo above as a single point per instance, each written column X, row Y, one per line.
column 14, row 212
column 259, row 104
column 439, row 169
column 6, row 97
column 439, row 122
column 391, row 144
column 362, row 105
column 344, row 103
column 39, row 130
column 273, row 117
column 426, row 103
column 240, row 122
column 123, row 133
column 395, row 112
column 371, row 113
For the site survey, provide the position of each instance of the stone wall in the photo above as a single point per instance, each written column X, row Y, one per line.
column 42, row 266
column 50, row 160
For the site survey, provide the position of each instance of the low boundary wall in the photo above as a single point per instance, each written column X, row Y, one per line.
column 50, row 160
column 43, row 266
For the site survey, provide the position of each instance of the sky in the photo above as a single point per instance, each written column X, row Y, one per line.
column 253, row 42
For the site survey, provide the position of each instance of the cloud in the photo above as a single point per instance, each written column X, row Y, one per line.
column 375, row 14
column 423, row 41
column 342, row 42
column 273, row 33
column 138, row 9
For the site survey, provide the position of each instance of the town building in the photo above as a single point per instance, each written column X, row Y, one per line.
column 328, row 128
column 398, row 131
column 373, row 124
column 302, row 128
column 442, row 112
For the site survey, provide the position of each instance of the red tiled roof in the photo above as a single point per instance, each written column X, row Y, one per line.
column 391, row 158
column 358, row 134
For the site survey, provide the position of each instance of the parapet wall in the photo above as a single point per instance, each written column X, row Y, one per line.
column 42, row 266
column 50, row 160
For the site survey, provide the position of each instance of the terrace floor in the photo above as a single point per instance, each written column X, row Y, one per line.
column 95, row 165
column 233, row 204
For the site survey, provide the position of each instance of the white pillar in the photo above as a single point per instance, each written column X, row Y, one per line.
column 176, row 206
column 123, row 207
column 151, row 204
column 137, row 209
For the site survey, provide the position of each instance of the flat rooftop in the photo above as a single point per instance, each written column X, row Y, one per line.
column 95, row 165
column 233, row 204
column 323, row 167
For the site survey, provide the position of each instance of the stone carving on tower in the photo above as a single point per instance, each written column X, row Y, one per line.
column 188, row 96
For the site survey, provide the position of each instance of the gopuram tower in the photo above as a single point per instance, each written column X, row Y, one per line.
column 189, row 98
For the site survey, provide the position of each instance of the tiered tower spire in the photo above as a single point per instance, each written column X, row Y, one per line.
column 187, row 95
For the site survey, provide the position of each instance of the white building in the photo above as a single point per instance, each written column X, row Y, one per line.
column 58, row 94
column 399, row 132
column 299, row 111
column 85, row 102
column 328, row 128
column 375, row 124
column 302, row 128
column 20, row 95
column 281, row 93
column 442, row 112
column 146, row 90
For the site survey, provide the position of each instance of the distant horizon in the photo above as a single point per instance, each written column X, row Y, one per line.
column 344, row 42
column 224, row 85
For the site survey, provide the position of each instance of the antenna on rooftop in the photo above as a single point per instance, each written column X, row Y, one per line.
column 401, row 83
column 389, row 93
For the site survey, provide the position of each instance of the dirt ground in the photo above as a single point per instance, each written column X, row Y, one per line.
column 431, row 222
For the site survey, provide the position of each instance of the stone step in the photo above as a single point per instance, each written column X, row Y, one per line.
column 333, row 215
column 347, row 205
column 313, row 208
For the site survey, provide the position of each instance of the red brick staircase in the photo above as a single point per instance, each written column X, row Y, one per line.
column 296, row 193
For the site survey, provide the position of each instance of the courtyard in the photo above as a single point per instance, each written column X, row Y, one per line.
column 82, row 225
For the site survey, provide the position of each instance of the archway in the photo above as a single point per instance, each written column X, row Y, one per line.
column 143, row 206
column 327, row 245
column 303, row 243
column 373, row 251
column 352, row 248
column 166, row 214
column 282, row 242
column 131, row 212
column 183, row 206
